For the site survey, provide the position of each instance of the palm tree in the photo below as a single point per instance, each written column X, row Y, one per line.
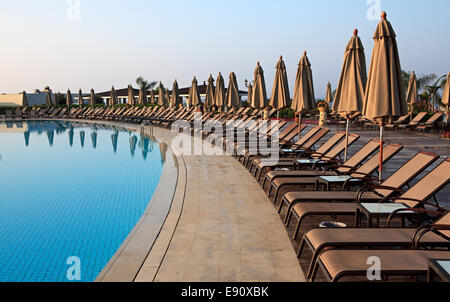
column 433, row 91
column 421, row 81
column 144, row 83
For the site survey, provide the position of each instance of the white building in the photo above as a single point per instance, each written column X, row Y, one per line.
column 37, row 98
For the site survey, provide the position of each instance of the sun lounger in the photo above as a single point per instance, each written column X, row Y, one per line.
column 331, row 164
column 315, row 162
column 399, row 121
column 415, row 121
column 338, row 264
column 320, row 239
column 358, row 176
column 345, row 203
column 298, row 149
column 250, row 161
column 431, row 123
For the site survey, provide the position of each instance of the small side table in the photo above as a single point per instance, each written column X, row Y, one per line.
column 382, row 210
column 299, row 163
column 328, row 181
column 438, row 270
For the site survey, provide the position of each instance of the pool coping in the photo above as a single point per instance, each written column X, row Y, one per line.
column 127, row 261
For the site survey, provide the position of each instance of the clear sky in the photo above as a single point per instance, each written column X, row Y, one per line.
column 114, row 41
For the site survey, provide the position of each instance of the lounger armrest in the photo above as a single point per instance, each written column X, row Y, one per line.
column 418, row 210
column 372, row 188
column 423, row 230
column 362, row 179
column 302, row 148
column 397, row 199
column 334, row 167
column 363, row 175
column 315, row 153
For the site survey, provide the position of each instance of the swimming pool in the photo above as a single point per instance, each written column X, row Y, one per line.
column 70, row 190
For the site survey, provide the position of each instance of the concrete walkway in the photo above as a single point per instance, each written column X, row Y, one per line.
column 226, row 229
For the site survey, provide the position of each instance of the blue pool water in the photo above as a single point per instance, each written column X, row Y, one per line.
column 70, row 190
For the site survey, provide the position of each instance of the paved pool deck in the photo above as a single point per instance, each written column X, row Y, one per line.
column 221, row 228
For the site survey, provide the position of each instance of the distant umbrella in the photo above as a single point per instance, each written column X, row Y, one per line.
column 175, row 99
column 82, row 136
column 92, row 97
column 233, row 99
column 145, row 145
column 411, row 94
column 304, row 88
column 69, row 99
column 329, row 94
column 349, row 96
column 259, row 94
column 194, row 95
column 26, row 135
column 219, row 94
column 94, row 139
column 250, row 93
column 71, row 133
column 167, row 97
column 209, row 99
column 161, row 96
column 80, row 98
column 142, row 95
column 280, row 92
column 446, row 95
column 113, row 97
column 114, row 140
column 50, row 136
column 131, row 96
column 133, row 144
column 24, row 99
column 384, row 97
column 48, row 98
column 152, row 97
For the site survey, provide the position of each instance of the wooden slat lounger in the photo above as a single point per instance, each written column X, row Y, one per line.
column 331, row 163
column 431, row 123
column 340, row 263
column 319, row 240
column 363, row 173
column 303, row 140
column 419, row 117
column 305, row 147
column 345, row 203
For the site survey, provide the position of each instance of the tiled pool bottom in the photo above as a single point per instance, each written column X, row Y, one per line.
column 69, row 191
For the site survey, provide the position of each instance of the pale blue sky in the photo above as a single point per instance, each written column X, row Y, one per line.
column 116, row 40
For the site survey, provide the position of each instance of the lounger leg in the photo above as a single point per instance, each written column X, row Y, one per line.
column 281, row 207
column 260, row 174
column 297, row 228
column 301, row 247
column 270, row 190
column 275, row 196
column 264, row 182
column 256, row 171
column 314, row 272
column 313, row 261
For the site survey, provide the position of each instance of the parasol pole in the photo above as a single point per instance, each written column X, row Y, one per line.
column 346, row 139
column 380, row 173
column 299, row 124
